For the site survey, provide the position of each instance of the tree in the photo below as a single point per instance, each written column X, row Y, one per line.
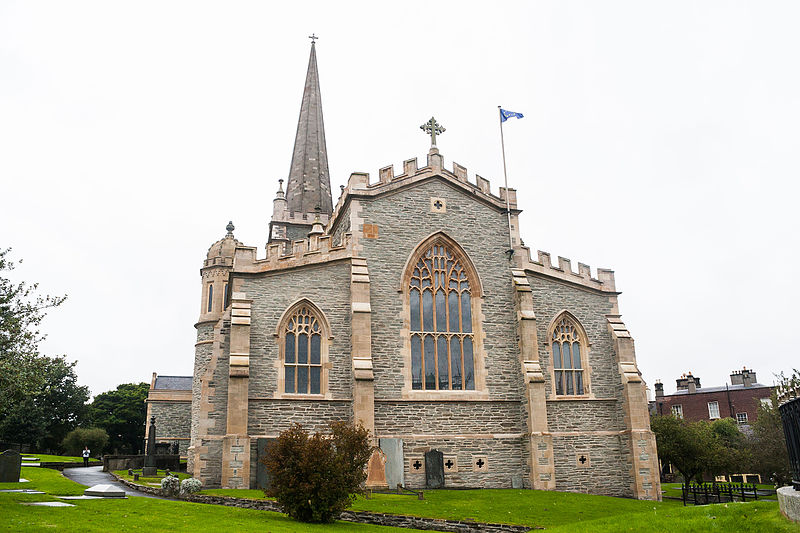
column 95, row 438
column 40, row 400
column 316, row 477
column 767, row 444
column 122, row 414
column 732, row 455
column 683, row 444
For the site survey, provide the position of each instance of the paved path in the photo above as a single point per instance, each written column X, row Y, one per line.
column 94, row 475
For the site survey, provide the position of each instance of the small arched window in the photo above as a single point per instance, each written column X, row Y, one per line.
column 302, row 343
column 440, row 303
column 569, row 351
column 210, row 297
column 227, row 298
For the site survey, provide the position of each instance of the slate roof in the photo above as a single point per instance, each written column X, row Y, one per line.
column 720, row 389
column 173, row 383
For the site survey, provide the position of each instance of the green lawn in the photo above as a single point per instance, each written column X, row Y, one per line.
column 140, row 514
column 44, row 458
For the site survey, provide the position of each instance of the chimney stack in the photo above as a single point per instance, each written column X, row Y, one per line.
column 659, row 389
column 683, row 382
column 690, row 384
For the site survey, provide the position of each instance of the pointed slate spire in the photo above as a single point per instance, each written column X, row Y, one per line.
column 309, row 184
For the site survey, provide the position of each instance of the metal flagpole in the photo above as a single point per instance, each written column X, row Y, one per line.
column 505, row 175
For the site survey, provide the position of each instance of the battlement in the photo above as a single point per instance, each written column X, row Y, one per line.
column 359, row 182
column 543, row 265
column 314, row 249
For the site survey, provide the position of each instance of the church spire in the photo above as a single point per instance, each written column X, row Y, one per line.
column 309, row 184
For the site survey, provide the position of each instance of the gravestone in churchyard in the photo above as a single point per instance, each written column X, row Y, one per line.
column 149, row 468
column 393, row 448
column 262, row 452
column 10, row 466
column 376, row 470
column 434, row 469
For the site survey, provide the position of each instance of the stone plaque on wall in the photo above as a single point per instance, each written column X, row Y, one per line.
column 434, row 469
column 262, row 476
column 393, row 448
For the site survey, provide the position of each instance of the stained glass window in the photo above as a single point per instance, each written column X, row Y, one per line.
column 441, row 322
column 567, row 353
column 302, row 357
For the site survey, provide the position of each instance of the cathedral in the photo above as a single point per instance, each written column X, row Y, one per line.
column 411, row 306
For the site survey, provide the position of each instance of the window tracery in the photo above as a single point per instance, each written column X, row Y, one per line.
column 568, row 352
column 302, row 334
column 442, row 339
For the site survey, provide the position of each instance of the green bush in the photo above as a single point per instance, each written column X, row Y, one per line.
column 316, row 477
column 95, row 438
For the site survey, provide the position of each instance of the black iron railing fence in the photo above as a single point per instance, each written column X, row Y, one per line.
column 790, row 416
column 705, row 493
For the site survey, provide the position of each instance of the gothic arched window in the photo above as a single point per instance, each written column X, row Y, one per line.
column 569, row 349
column 441, row 320
column 303, row 344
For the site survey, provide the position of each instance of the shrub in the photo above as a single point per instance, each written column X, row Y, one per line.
column 170, row 485
column 190, row 486
column 316, row 477
column 95, row 438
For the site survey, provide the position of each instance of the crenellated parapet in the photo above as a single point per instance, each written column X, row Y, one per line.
column 563, row 270
column 359, row 183
column 312, row 250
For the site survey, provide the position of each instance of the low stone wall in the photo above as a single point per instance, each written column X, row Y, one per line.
column 124, row 462
column 789, row 502
column 61, row 466
column 405, row 521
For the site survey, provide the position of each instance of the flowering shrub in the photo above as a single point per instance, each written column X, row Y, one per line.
column 190, row 486
column 170, row 485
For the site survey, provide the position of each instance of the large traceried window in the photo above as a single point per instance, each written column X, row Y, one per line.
column 302, row 333
column 568, row 371
column 440, row 303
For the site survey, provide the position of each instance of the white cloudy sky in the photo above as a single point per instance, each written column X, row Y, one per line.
column 660, row 139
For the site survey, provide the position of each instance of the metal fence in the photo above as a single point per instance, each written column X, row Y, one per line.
column 790, row 416
column 705, row 493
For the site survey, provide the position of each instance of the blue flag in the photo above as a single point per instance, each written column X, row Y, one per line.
column 505, row 115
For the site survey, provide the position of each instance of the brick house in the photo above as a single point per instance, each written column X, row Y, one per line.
column 412, row 306
column 739, row 400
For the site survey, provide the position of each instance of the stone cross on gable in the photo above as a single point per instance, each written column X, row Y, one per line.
column 313, row 38
column 433, row 129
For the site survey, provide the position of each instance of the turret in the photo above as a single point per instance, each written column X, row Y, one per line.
column 215, row 295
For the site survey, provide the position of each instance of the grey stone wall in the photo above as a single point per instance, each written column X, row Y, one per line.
column 579, row 415
column 173, row 422
column 337, row 236
column 609, row 471
column 504, row 459
column 328, row 287
column 270, row 417
column 406, row 418
column 212, row 473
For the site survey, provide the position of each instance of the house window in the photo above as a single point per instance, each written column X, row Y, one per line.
column 303, row 344
column 677, row 411
column 441, row 294
column 741, row 418
column 713, row 410
column 210, row 297
column 569, row 350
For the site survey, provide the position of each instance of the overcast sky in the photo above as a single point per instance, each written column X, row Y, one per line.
column 660, row 140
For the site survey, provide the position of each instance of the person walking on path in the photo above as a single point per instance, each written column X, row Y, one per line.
column 86, row 453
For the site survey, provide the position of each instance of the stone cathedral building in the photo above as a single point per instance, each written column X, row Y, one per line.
column 401, row 306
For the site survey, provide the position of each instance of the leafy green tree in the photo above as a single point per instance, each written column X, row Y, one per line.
column 732, row 452
column 122, row 413
column 683, row 444
column 40, row 399
column 95, row 438
column 767, row 444
column 316, row 477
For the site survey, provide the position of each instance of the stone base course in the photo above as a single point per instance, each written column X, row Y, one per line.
column 410, row 522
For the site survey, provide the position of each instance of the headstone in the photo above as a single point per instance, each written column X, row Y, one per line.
column 262, row 451
column 393, row 448
column 49, row 504
column 10, row 466
column 516, row 481
column 150, row 468
column 376, row 470
column 434, row 469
